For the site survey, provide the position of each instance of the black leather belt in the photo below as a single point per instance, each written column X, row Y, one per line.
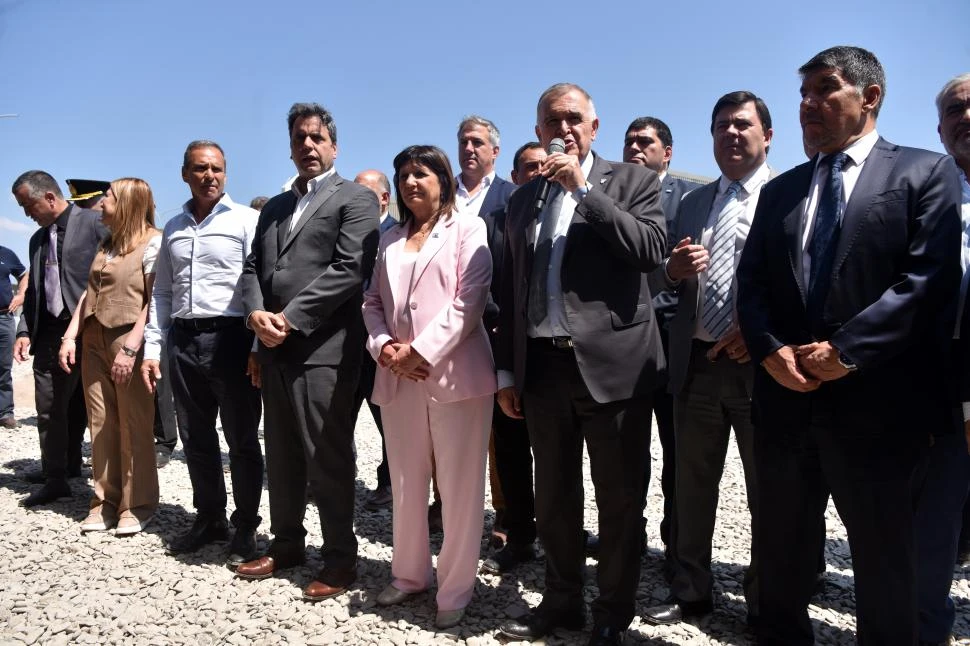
column 206, row 324
column 558, row 342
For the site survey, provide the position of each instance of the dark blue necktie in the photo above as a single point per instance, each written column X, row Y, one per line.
column 826, row 235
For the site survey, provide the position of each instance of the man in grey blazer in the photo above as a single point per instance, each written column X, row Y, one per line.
column 579, row 356
column 710, row 373
column 302, row 290
column 61, row 252
column 648, row 142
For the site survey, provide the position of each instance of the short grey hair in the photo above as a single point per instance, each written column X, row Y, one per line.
column 952, row 83
column 494, row 137
column 37, row 182
column 196, row 145
column 558, row 90
column 303, row 110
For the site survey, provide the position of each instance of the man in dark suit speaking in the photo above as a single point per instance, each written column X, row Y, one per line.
column 578, row 355
column 302, row 289
column 846, row 304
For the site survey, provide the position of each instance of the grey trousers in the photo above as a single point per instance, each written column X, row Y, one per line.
column 715, row 398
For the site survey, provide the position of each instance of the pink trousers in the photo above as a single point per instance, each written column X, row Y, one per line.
column 456, row 435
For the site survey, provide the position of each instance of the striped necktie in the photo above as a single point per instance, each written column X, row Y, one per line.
column 718, row 313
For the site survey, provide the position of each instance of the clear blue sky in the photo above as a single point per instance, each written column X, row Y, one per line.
column 112, row 88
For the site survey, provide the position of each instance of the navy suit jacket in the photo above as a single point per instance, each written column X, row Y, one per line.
column 890, row 306
column 672, row 191
column 495, row 230
column 497, row 196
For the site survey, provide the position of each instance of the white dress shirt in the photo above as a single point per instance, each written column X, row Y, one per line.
column 198, row 268
column 303, row 200
column 858, row 151
column 751, row 185
column 466, row 203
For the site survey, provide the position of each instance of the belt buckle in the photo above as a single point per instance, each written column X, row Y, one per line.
column 562, row 342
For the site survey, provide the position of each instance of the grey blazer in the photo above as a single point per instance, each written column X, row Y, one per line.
column 315, row 274
column 616, row 237
column 84, row 233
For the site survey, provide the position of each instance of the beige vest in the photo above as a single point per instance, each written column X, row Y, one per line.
column 116, row 287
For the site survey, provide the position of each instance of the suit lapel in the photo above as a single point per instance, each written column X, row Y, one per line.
column 439, row 235
column 871, row 182
column 599, row 178
column 793, row 224
column 392, row 264
column 283, row 221
column 313, row 209
column 697, row 218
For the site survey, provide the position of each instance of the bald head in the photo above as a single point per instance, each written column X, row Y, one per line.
column 376, row 181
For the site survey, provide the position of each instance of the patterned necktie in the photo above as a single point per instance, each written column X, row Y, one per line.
column 52, row 275
column 826, row 235
column 718, row 313
column 539, row 286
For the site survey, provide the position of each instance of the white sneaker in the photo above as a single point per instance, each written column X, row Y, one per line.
column 132, row 525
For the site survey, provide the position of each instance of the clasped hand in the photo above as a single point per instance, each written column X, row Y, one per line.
column 403, row 361
column 271, row 329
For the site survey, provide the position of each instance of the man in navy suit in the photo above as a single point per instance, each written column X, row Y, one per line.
column 648, row 142
column 480, row 190
column 380, row 498
column 846, row 306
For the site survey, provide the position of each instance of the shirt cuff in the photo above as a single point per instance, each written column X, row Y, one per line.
column 667, row 274
column 506, row 379
column 153, row 352
column 966, row 411
column 581, row 192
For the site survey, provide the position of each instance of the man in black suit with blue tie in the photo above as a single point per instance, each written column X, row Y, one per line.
column 846, row 305
column 379, row 498
column 648, row 142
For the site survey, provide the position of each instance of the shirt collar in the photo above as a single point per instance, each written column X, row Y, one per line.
column 749, row 182
column 586, row 164
column 486, row 182
column 313, row 184
column 225, row 203
column 858, row 151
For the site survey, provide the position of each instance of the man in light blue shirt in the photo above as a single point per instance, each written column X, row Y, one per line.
column 197, row 313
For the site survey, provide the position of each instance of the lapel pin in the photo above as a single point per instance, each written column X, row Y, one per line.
column 602, row 180
column 434, row 235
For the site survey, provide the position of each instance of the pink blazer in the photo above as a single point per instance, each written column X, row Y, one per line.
column 437, row 307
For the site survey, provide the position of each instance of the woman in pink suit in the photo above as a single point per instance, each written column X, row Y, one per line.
column 436, row 380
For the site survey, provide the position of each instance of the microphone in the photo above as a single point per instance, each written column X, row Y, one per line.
column 557, row 145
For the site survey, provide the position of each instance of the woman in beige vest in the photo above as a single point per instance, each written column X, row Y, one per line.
column 110, row 316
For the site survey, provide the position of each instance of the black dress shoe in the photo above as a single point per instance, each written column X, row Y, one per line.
column 242, row 548
column 162, row 458
column 592, row 547
column 606, row 636
column 539, row 624
column 204, row 530
column 51, row 491
column 505, row 559
column 380, row 498
column 673, row 611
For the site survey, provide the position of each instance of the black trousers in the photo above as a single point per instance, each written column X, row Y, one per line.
column 59, row 396
column 310, row 438
column 663, row 410
column 208, row 379
column 561, row 414
column 365, row 386
column 166, row 428
column 513, row 460
column 874, row 478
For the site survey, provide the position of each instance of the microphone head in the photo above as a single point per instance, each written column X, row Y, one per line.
column 557, row 145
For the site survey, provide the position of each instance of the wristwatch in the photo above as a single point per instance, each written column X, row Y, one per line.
column 846, row 363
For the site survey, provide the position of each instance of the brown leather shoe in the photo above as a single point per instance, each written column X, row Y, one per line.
column 318, row 591
column 261, row 568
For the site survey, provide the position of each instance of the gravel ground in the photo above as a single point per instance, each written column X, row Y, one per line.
column 58, row 586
